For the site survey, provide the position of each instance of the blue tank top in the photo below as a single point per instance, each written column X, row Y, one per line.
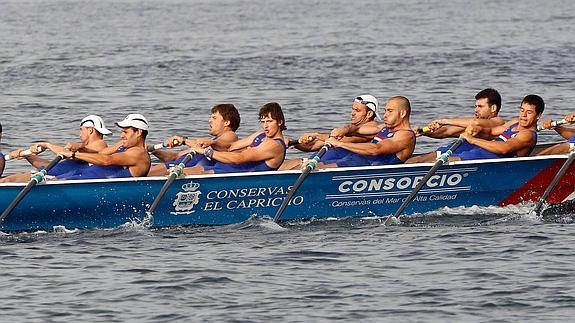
column 67, row 166
column 259, row 166
column 571, row 140
column 481, row 153
column 354, row 159
column 510, row 133
column 97, row 171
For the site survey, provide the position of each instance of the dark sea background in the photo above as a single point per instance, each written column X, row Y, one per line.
column 173, row 60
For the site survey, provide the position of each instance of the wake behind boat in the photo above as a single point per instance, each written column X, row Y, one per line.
column 234, row 198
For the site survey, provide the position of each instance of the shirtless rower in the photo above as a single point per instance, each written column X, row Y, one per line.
column 363, row 115
column 223, row 123
column 515, row 138
column 127, row 158
column 487, row 107
column 393, row 143
column 565, row 132
column 261, row 151
column 92, row 132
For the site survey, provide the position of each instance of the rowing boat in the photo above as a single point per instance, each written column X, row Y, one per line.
column 234, row 198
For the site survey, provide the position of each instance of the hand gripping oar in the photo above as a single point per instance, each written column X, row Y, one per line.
column 151, row 148
column 554, row 182
column 553, row 124
column 442, row 159
column 175, row 172
column 37, row 178
column 25, row 153
column 311, row 165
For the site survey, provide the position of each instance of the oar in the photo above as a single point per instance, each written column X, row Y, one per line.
column 175, row 172
column 311, row 165
column 553, row 124
column 151, row 148
column 26, row 153
column 554, row 182
column 37, row 178
column 442, row 159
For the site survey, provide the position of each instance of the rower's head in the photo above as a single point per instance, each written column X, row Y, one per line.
column 397, row 112
column 487, row 104
column 92, row 128
column 224, row 116
column 272, row 119
column 530, row 111
column 364, row 109
column 134, row 130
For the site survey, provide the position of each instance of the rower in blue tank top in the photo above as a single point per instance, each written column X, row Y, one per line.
column 97, row 171
column 393, row 143
column 481, row 153
column 127, row 158
column 515, row 138
column 259, row 166
column 261, row 151
column 354, row 159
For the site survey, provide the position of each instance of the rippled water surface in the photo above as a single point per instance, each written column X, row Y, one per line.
column 173, row 60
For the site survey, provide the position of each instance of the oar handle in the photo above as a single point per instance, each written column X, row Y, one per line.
column 26, row 153
column 293, row 142
column 554, row 124
column 423, row 130
column 151, row 148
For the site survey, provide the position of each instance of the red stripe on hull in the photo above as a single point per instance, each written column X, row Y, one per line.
column 534, row 188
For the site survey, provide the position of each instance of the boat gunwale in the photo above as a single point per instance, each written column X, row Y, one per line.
column 287, row 172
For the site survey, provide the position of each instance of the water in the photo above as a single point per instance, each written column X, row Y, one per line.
column 172, row 60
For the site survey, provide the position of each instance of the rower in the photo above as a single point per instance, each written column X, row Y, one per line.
column 487, row 107
column 363, row 118
column 127, row 158
column 92, row 132
column 515, row 138
column 565, row 132
column 261, row 151
column 223, row 123
column 393, row 143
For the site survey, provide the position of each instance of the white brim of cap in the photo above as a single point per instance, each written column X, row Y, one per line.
column 132, row 123
column 103, row 131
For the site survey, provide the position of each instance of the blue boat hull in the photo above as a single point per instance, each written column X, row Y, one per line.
column 233, row 198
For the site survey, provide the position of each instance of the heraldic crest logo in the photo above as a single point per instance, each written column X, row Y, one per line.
column 187, row 199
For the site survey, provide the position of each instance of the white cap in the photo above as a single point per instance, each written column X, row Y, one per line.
column 94, row 121
column 134, row 120
column 370, row 102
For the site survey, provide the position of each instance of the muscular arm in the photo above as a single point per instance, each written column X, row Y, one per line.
column 400, row 141
column 224, row 142
column 565, row 132
column 523, row 140
column 267, row 150
column 131, row 157
column 244, row 142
